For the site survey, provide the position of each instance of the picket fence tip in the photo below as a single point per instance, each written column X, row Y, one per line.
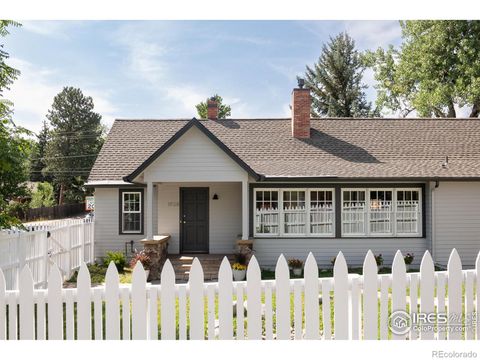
column 311, row 263
column 167, row 271
column 427, row 263
column 454, row 260
column 370, row 263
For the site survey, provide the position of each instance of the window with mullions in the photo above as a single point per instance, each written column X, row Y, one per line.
column 131, row 212
column 267, row 212
column 408, row 212
column 321, row 212
column 354, row 210
column 381, row 212
column 294, row 212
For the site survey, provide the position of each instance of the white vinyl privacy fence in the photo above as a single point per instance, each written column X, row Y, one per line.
column 347, row 306
column 66, row 244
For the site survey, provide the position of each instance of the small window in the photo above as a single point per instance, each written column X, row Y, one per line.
column 131, row 212
column 266, row 212
column 321, row 212
column 294, row 212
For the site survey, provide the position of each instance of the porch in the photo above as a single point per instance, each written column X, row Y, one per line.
column 199, row 217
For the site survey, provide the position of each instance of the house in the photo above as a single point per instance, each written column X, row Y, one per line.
column 292, row 185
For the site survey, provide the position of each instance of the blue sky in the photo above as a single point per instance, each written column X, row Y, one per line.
column 161, row 69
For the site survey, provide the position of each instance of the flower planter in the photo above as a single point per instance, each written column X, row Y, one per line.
column 407, row 266
column 239, row 275
column 379, row 267
column 297, row 271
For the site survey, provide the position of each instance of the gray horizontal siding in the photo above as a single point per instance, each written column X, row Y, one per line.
column 267, row 250
column 107, row 237
column 457, row 221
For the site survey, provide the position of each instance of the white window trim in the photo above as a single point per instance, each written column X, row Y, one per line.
column 309, row 199
column 394, row 233
column 282, row 214
column 420, row 212
column 139, row 193
column 365, row 215
column 393, row 220
column 255, row 217
column 281, row 222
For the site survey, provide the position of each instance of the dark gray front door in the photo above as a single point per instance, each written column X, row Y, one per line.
column 194, row 220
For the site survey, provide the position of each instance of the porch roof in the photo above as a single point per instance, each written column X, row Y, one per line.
column 337, row 148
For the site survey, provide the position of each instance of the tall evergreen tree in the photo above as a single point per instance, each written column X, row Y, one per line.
column 336, row 81
column 75, row 139
column 37, row 160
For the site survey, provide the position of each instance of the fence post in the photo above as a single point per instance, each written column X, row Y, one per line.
column 46, row 260
column 68, row 261
column 22, row 253
column 82, row 242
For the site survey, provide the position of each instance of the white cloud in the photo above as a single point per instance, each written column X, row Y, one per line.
column 373, row 33
column 33, row 92
column 52, row 28
column 147, row 49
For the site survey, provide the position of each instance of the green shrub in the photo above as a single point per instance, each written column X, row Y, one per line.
column 118, row 259
column 43, row 196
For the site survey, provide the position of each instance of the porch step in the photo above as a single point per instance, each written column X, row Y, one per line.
column 210, row 265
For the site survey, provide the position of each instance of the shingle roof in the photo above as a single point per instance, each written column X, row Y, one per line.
column 344, row 148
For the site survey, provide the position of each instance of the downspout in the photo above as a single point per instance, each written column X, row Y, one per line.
column 434, row 252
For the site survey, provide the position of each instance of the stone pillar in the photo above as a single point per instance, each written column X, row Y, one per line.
column 157, row 250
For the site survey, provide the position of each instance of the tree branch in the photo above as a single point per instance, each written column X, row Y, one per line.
column 475, row 109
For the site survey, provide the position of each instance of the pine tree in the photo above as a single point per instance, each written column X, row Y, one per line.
column 336, row 81
column 37, row 161
column 75, row 139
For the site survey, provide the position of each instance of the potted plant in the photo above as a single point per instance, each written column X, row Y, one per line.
column 240, row 266
column 408, row 260
column 379, row 260
column 144, row 258
column 239, row 271
column 296, row 266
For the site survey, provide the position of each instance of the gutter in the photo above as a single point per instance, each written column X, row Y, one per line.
column 432, row 191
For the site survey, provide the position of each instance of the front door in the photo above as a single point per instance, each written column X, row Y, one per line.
column 194, row 220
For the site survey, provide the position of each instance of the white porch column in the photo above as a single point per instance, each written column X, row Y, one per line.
column 149, row 211
column 245, row 216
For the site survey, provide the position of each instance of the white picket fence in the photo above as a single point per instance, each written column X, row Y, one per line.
column 352, row 306
column 66, row 244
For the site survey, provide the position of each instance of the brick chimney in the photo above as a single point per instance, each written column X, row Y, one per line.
column 301, row 102
column 212, row 109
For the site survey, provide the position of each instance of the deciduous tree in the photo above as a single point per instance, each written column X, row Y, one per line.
column 434, row 71
column 224, row 110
